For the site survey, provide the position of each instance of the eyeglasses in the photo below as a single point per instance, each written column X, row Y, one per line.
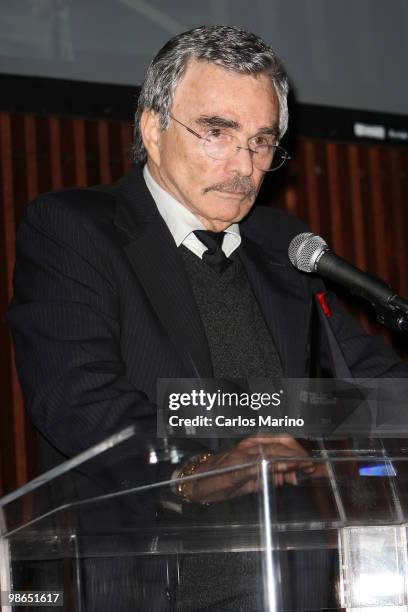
column 221, row 144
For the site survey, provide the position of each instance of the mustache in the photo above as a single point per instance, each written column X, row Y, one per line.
column 239, row 184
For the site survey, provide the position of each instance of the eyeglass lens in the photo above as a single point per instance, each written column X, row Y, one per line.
column 223, row 145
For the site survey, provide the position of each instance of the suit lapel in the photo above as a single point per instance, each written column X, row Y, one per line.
column 157, row 263
column 280, row 293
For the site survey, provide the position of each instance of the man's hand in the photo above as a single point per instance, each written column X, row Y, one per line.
column 243, row 481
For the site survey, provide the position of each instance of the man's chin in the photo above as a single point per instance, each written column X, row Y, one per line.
column 231, row 212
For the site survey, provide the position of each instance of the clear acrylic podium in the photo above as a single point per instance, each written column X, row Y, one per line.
column 107, row 531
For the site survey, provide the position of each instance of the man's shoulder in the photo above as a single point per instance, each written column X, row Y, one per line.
column 93, row 206
column 272, row 225
column 73, row 216
column 78, row 202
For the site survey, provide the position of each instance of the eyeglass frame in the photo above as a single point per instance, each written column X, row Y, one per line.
column 286, row 156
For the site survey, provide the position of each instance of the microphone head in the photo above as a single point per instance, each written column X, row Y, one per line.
column 305, row 250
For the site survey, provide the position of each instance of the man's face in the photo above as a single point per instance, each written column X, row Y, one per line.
column 218, row 192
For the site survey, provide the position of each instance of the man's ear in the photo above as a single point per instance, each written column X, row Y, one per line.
column 150, row 131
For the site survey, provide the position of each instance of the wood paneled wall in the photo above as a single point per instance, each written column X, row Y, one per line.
column 353, row 195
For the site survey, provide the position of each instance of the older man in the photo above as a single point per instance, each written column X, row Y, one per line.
column 172, row 272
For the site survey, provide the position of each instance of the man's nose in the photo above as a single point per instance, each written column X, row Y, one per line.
column 242, row 161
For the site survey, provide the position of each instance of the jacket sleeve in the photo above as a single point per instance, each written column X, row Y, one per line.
column 65, row 323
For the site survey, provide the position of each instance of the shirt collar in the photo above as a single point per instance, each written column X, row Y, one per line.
column 182, row 222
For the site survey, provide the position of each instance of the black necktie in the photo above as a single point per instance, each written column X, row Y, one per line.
column 214, row 256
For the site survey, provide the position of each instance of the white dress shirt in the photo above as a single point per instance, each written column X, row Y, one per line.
column 182, row 222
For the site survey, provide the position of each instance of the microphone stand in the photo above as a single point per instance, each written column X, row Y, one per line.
column 392, row 314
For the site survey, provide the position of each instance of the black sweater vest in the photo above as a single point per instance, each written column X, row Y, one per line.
column 239, row 340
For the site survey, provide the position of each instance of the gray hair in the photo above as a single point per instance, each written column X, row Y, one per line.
column 231, row 48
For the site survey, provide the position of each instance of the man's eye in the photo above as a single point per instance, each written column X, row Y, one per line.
column 263, row 140
column 215, row 133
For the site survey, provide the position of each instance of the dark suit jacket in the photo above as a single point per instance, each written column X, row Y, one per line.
column 103, row 307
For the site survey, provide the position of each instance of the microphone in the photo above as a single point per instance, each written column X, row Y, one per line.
column 310, row 253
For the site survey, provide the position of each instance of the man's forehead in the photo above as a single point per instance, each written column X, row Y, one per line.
column 198, row 73
column 209, row 90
